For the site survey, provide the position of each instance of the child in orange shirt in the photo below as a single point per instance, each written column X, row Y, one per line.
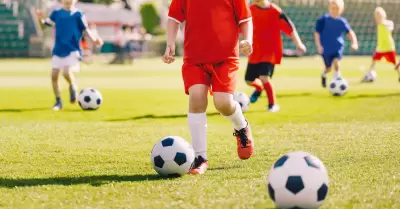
column 269, row 22
column 211, row 60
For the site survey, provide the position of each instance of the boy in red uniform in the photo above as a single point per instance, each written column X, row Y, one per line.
column 269, row 21
column 211, row 60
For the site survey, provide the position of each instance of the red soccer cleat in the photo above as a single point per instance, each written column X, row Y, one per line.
column 200, row 166
column 245, row 143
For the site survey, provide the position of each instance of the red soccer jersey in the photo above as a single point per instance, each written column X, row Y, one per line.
column 212, row 28
column 267, row 41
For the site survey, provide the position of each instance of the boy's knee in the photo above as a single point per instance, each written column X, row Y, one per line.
column 54, row 74
column 265, row 79
column 198, row 98
column 224, row 103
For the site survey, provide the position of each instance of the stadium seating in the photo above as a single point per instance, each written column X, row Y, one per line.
column 12, row 40
column 358, row 12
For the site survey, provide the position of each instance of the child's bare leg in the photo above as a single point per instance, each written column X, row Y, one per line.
column 70, row 78
column 56, row 89
column 336, row 67
column 372, row 67
column 197, row 120
column 231, row 110
column 54, row 81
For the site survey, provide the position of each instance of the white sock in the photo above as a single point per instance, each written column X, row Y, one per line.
column 237, row 118
column 198, row 131
column 324, row 72
column 336, row 74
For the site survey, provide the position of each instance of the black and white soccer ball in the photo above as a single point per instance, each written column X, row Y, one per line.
column 298, row 180
column 172, row 156
column 243, row 100
column 90, row 99
column 338, row 86
column 370, row 76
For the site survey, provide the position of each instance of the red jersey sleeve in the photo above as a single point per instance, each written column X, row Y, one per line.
column 242, row 11
column 177, row 11
column 285, row 24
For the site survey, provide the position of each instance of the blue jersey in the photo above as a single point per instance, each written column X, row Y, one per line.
column 332, row 32
column 70, row 26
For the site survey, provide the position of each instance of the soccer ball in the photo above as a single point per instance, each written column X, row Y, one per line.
column 172, row 156
column 243, row 100
column 338, row 87
column 90, row 99
column 298, row 180
column 370, row 76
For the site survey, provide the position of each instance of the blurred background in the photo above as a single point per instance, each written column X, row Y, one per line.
column 133, row 29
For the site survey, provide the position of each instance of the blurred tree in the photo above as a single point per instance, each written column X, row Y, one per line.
column 150, row 17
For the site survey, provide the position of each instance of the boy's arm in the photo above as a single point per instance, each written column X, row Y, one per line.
column 247, row 31
column 94, row 37
column 176, row 15
column 319, row 26
column 83, row 25
column 297, row 40
column 318, row 42
column 45, row 21
column 288, row 27
column 172, row 31
column 353, row 38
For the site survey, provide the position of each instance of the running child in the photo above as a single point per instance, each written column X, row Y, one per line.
column 70, row 24
column 211, row 60
column 385, row 47
column 330, row 30
column 269, row 21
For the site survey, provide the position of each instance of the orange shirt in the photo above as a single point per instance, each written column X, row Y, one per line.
column 212, row 28
column 267, row 41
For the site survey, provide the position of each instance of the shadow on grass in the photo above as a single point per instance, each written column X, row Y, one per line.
column 25, row 110
column 293, row 95
column 66, row 181
column 151, row 116
column 374, row 96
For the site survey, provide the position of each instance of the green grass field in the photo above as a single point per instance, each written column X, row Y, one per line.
column 101, row 159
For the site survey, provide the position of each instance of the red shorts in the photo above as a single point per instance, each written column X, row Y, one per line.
column 219, row 77
column 389, row 56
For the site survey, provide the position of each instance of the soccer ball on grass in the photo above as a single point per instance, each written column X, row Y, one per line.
column 172, row 156
column 298, row 180
column 90, row 99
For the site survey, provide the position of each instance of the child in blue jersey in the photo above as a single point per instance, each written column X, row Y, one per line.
column 330, row 30
column 70, row 24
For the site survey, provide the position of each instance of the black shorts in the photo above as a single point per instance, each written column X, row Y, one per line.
column 256, row 70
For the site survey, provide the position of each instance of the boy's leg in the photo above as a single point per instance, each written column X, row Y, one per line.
column 70, row 78
column 336, row 67
column 57, row 63
column 56, row 89
column 73, row 65
column 196, row 83
column 251, row 78
column 328, row 64
column 224, row 83
column 266, row 72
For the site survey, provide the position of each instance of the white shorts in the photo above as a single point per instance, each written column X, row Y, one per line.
column 71, row 62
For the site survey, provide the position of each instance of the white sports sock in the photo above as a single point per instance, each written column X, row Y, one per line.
column 198, row 131
column 324, row 72
column 237, row 118
column 336, row 74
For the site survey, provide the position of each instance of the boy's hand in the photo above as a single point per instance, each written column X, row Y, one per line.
column 169, row 54
column 99, row 42
column 320, row 49
column 301, row 48
column 245, row 47
column 354, row 46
